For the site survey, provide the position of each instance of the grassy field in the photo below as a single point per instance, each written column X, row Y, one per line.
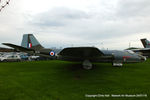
column 60, row 80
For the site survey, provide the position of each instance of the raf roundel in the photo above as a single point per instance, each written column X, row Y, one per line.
column 52, row 53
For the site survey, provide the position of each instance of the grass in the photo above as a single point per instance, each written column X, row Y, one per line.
column 60, row 80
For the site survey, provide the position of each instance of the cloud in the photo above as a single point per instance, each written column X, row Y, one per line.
column 111, row 22
column 133, row 8
column 58, row 17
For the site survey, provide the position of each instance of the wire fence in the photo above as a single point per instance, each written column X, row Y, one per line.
column 4, row 5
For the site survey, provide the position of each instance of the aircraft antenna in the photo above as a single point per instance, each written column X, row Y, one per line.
column 2, row 6
column 129, row 44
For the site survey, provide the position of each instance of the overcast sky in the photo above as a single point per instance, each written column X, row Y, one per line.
column 111, row 24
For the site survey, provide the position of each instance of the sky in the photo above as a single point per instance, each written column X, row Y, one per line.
column 106, row 24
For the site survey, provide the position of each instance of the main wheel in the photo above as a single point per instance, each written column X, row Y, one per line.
column 87, row 64
column 117, row 64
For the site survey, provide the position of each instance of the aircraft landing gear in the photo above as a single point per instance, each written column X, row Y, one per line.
column 117, row 64
column 87, row 64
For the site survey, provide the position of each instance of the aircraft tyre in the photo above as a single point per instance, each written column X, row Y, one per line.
column 117, row 64
column 87, row 65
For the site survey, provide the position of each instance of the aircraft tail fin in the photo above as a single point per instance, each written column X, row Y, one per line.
column 145, row 43
column 29, row 41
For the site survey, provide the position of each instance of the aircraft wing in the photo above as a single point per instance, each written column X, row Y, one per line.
column 141, row 50
column 20, row 48
column 31, row 51
column 82, row 53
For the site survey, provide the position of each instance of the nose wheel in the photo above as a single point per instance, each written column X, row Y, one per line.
column 115, row 64
column 87, row 64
